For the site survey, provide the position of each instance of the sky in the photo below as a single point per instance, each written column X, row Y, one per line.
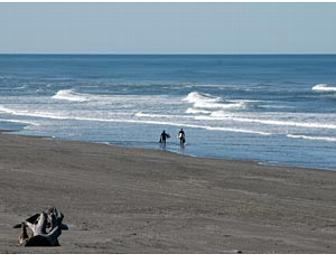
column 168, row 28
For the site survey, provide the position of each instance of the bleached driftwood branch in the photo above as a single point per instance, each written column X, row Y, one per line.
column 42, row 229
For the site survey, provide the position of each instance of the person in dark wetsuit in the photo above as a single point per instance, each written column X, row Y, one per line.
column 181, row 136
column 163, row 138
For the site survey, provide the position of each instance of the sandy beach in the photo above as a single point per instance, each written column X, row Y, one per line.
column 119, row 200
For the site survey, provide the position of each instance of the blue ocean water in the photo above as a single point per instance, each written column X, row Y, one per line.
column 277, row 109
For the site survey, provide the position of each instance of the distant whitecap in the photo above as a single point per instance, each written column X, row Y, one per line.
column 324, row 88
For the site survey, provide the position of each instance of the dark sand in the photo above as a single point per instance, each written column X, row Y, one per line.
column 119, row 200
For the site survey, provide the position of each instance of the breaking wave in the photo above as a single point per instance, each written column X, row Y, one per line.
column 117, row 100
column 324, row 88
column 194, row 97
column 204, row 102
column 71, row 95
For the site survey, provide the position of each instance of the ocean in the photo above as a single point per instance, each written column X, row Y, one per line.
column 274, row 109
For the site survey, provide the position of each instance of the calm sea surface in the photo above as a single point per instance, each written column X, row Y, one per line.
column 273, row 109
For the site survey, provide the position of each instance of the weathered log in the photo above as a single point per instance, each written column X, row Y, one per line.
column 42, row 229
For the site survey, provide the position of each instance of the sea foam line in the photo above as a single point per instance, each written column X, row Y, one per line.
column 60, row 117
column 222, row 116
column 306, row 137
column 166, row 116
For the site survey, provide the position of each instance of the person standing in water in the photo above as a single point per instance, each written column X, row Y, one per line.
column 163, row 138
column 181, row 136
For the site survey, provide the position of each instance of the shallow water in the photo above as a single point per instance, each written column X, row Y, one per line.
column 276, row 109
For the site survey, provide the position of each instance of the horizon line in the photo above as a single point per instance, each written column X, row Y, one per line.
column 158, row 54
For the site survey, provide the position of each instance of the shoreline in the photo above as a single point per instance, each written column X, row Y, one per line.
column 257, row 162
column 122, row 200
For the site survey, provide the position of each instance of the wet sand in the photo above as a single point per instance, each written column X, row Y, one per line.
column 118, row 200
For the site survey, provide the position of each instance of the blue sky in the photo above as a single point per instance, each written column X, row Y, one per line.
column 150, row 28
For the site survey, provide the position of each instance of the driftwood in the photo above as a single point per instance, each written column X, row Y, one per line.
column 42, row 229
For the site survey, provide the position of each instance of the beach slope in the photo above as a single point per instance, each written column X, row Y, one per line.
column 118, row 200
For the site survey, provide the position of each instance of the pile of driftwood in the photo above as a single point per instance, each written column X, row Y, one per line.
column 42, row 229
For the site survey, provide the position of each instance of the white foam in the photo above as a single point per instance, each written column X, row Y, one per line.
column 151, row 115
column 239, row 130
column 21, row 87
column 164, row 116
column 227, row 106
column 306, row 137
column 71, row 95
column 117, row 101
column 6, row 110
column 324, row 88
column 192, row 110
column 222, row 115
column 208, row 102
column 272, row 106
column 194, row 97
column 147, row 115
column 170, row 123
column 30, row 114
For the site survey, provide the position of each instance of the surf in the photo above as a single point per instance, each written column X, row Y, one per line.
column 53, row 116
column 221, row 115
column 324, row 88
column 71, row 95
column 204, row 102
